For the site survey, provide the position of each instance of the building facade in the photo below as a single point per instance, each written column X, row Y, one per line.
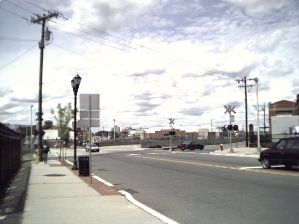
column 283, row 108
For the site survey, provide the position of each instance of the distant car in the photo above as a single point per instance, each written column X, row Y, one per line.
column 284, row 152
column 94, row 148
column 190, row 145
column 155, row 146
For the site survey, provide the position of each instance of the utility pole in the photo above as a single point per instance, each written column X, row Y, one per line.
column 41, row 20
column 264, row 110
column 244, row 81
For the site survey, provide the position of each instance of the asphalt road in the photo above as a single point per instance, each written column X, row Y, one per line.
column 191, row 187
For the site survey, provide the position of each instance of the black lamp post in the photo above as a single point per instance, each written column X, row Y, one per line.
column 75, row 84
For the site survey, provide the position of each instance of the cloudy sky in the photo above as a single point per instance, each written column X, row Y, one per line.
column 151, row 59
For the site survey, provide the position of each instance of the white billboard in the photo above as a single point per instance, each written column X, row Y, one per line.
column 284, row 124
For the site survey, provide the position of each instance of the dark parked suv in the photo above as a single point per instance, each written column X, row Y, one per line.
column 284, row 152
column 190, row 145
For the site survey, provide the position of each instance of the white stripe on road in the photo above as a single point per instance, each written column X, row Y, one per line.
column 235, row 155
column 151, row 211
column 131, row 199
column 250, row 167
column 134, row 154
column 102, row 180
column 259, row 167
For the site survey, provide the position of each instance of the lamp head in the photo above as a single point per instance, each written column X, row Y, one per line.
column 76, row 83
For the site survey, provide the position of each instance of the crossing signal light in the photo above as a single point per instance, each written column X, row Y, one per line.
column 236, row 127
column 172, row 132
column 230, row 127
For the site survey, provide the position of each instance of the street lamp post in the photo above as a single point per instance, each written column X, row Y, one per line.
column 258, row 115
column 31, row 149
column 75, row 84
column 114, row 130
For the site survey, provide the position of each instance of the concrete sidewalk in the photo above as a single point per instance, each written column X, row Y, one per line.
column 57, row 195
column 240, row 152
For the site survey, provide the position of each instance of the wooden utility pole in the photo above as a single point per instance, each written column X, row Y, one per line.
column 244, row 81
column 41, row 20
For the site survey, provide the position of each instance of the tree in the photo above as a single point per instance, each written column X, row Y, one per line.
column 48, row 124
column 63, row 117
column 117, row 135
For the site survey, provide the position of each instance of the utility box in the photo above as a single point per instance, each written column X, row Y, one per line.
column 83, row 162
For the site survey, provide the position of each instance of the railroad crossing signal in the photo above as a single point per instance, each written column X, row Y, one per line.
column 171, row 122
column 229, row 109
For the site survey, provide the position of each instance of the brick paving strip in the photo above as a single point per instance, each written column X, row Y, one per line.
column 97, row 185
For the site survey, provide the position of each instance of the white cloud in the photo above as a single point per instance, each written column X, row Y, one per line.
column 182, row 65
column 260, row 7
column 107, row 15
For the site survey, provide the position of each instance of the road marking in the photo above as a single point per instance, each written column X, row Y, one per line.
column 250, row 167
column 255, row 170
column 189, row 162
column 134, row 154
column 235, row 155
column 102, row 180
column 131, row 199
column 151, row 211
column 273, row 172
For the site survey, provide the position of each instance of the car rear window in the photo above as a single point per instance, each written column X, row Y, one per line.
column 293, row 144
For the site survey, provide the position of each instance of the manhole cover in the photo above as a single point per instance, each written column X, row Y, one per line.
column 102, row 170
column 54, row 175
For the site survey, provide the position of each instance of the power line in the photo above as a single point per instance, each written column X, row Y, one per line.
column 119, row 40
column 89, row 33
column 18, row 57
column 86, row 38
column 18, row 6
column 37, row 6
column 174, row 58
column 17, row 39
column 16, row 14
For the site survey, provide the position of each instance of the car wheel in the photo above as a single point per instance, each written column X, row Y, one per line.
column 266, row 163
column 183, row 149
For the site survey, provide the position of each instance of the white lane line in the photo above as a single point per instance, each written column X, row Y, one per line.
column 102, row 180
column 151, row 211
column 134, row 154
column 131, row 199
column 234, row 155
column 258, row 167
column 250, row 167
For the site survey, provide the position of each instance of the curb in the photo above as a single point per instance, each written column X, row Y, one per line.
column 132, row 200
column 149, row 210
